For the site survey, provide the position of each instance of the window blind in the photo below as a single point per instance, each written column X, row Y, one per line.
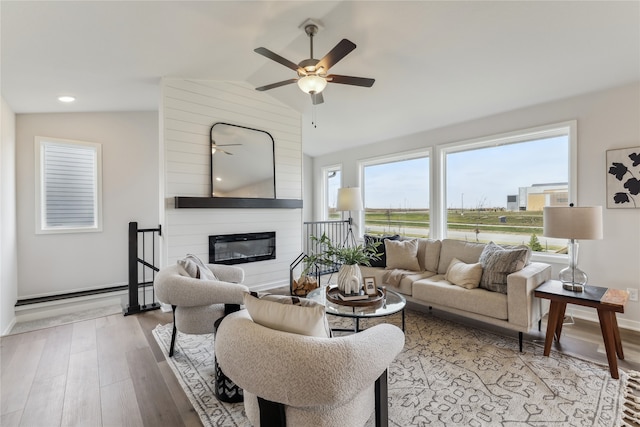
column 69, row 183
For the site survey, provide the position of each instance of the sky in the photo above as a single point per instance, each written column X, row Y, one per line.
column 482, row 177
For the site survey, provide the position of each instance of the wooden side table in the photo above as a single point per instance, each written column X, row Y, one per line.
column 606, row 301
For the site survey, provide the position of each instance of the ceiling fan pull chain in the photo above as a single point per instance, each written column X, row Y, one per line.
column 314, row 120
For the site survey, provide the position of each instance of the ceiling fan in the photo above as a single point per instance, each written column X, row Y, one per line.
column 312, row 73
column 215, row 148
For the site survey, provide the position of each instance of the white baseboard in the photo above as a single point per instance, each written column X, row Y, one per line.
column 592, row 316
column 271, row 285
column 11, row 325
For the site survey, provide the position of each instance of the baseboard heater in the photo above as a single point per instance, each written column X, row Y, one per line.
column 70, row 295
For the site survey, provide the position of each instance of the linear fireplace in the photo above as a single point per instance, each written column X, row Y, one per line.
column 242, row 248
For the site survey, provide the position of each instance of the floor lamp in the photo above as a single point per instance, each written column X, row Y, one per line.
column 349, row 199
column 573, row 223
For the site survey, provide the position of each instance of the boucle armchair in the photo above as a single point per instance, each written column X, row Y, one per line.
column 198, row 303
column 308, row 381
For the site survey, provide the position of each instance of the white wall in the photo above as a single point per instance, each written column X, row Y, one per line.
column 189, row 109
column 606, row 120
column 8, row 238
column 308, row 208
column 50, row 264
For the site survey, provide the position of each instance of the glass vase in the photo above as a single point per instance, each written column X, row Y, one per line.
column 572, row 278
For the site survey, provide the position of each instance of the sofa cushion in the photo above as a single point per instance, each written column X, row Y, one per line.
column 498, row 262
column 465, row 251
column 402, row 254
column 463, row 274
column 429, row 254
column 192, row 266
column 437, row 291
column 288, row 314
column 369, row 240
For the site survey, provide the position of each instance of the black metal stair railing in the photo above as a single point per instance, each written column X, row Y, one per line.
column 138, row 283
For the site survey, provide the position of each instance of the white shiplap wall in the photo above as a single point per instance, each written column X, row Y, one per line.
column 189, row 108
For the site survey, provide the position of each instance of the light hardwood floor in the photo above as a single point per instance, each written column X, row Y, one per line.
column 110, row 371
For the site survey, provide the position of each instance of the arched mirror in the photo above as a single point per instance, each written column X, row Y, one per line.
column 242, row 162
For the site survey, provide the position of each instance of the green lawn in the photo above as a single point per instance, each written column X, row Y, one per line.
column 507, row 222
column 482, row 225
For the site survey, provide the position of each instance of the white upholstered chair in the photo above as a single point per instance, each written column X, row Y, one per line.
column 305, row 380
column 197, row 303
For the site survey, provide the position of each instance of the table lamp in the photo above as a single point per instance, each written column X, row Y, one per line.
column 573, row 223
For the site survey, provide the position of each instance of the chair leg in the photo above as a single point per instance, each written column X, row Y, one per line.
column 382, row 401
column 520, row 340
column 175, row 332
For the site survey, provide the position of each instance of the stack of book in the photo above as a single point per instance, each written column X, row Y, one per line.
column 352, row 297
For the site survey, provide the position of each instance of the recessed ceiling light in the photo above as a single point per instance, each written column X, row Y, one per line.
column 66, row 98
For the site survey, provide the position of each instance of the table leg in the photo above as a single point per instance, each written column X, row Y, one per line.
column 608, row 335
column 616, row 335
column 403, row 322
column 357, row 325
column 560, row 321
column 555, row 310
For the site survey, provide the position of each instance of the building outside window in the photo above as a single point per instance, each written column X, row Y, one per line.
column 68, row 181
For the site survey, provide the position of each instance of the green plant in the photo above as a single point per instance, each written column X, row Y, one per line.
column 534, row 244
column 350, row 255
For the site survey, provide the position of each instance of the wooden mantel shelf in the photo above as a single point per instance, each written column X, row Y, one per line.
column 236, row 203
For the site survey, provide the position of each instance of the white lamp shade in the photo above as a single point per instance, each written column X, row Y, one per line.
column 349, row 199
column 582, row 223
column 312, row 84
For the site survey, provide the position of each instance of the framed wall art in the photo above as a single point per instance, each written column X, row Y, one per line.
column 623, row 178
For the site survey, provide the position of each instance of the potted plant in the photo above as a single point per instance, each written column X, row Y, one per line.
column 350, row 257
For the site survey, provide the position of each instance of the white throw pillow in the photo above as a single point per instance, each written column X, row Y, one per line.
column 193, row 266
column 402, row 254
column 288, row 314
column 462, row 274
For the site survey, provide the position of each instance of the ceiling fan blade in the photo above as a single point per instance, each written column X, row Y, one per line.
column 317, row 98
column 350, row 80
column 275, row 57
column 274, row 85
column 340, row 50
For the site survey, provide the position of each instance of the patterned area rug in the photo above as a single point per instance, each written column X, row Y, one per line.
column 449, row 375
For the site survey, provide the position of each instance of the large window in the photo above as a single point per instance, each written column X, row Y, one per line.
column 68, row 181
column 496, row 188
column 396, row 195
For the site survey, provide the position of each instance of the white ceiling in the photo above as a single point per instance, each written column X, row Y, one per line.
column 435, row 63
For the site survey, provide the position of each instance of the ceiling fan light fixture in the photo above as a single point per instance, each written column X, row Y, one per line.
column 312, row 84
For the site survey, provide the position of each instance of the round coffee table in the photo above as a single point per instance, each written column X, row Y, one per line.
column 394, row 303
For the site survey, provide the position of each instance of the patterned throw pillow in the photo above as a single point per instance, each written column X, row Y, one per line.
column 288, row 314
column 370, row 240
column 498, row 262
column 193, row 266
column 463, row 274
column 402, row 254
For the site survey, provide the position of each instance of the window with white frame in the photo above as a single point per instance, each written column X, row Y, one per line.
column 68, row 186
column 396, row 194
column 332, row 180
column 496, row 187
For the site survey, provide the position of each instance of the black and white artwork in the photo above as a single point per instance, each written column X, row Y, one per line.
column 623, row 178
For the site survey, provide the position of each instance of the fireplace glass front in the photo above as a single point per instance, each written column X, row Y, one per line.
column 242, row 248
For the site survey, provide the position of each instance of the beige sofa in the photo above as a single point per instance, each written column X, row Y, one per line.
column 515, row 309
